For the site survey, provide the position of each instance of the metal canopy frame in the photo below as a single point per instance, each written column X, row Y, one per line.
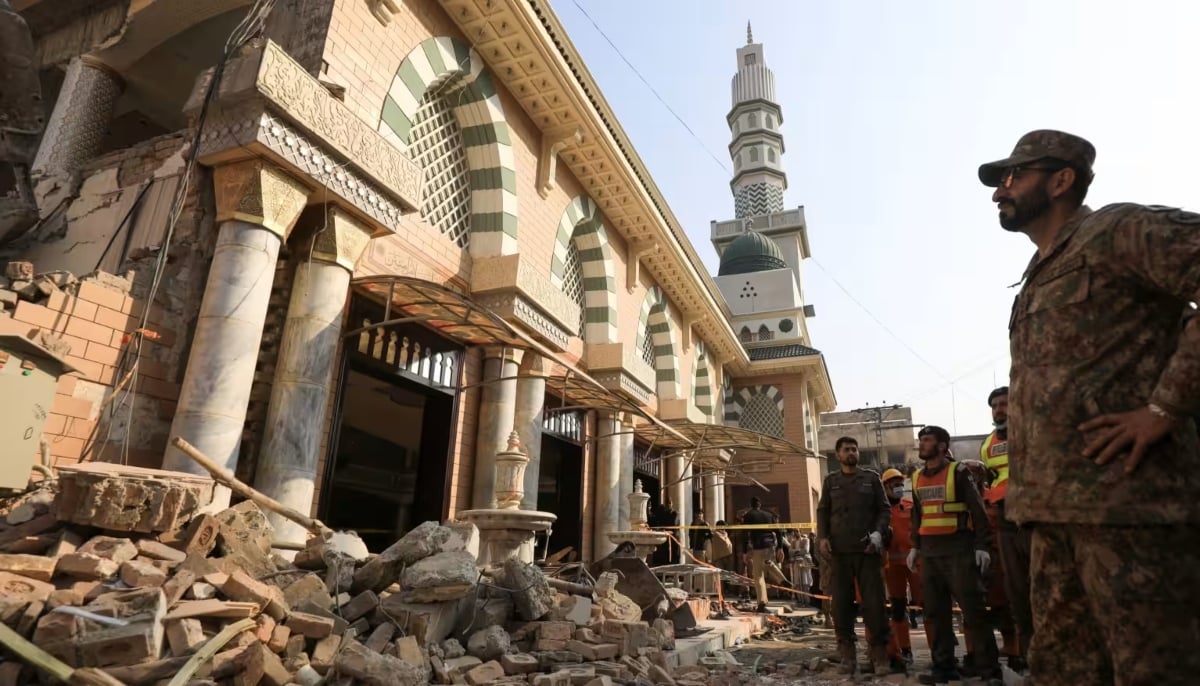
column 454, row 315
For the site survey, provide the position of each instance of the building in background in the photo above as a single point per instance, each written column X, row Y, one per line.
column 886, row 436
column 786, row 386
column 376, row 250
column 967, row 447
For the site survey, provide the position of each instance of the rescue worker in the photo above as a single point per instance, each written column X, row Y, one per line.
column 852, row 516
column 997, row 612
column 762, row 544
column 902, row 583
column 951, row 535
column 1012, row 540
column 1102, row 421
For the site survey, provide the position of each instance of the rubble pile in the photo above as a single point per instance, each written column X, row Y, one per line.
column 120, row 572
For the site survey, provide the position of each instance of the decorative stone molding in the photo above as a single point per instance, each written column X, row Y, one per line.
column 341, row 239
column 383, row 10
column 525, row 288
column 553, row 142
column 258, row 192
column 620, row 368
column 713, row 459
column 516, row 308
column 680, row 408
column 268, row 106
column 633, row 261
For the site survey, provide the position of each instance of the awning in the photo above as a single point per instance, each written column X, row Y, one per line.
column 457, row 317
column 451, row 314
column 700, row 436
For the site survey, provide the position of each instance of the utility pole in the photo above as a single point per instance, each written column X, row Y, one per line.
column 878, row 415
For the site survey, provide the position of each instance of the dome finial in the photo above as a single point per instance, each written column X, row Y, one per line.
column 749, row 34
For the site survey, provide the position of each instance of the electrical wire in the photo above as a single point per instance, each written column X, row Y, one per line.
column 661, row 100
column 250, row 25
column 911, row 350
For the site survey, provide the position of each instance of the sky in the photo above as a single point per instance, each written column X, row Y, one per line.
column 889, row 108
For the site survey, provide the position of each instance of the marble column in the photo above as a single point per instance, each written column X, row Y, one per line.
column 497, row 414
column 80, row 119
column 683, row 499
column 308, row 351
column 627, row 476
column 712, row 496
column 531, row 398
column 720, row 513
column 607, row 510
column 257, row 205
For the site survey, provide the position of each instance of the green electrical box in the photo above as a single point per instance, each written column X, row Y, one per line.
column 28, row 378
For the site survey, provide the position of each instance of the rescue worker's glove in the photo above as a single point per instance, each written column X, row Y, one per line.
column 983, row 560
column 874, row 541
column 912, row 560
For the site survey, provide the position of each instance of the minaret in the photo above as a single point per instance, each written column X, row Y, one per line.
column 756, row 146
column 763, row 248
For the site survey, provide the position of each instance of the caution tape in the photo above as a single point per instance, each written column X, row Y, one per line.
column 803, row 526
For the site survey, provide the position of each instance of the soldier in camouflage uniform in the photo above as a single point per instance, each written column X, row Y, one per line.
column 1104, row 393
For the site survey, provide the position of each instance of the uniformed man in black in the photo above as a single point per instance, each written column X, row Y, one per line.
column 951, row 536
column 852, row 518
column 761, row 544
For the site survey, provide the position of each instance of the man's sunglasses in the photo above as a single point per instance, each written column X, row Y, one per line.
column 1011, row 174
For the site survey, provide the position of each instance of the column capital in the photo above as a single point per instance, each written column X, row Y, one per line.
column 533, row 364
column 258, row 192
column 96, row 63
column 494, row 352
column 334, row 236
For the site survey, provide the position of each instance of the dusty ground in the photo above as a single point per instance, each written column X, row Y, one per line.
column 788, row 655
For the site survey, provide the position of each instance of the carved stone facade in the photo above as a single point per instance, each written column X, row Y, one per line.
column 312, row 126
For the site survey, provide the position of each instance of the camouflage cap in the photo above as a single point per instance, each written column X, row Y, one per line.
column 1040, row 145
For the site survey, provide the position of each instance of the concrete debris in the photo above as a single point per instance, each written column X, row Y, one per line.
column 613, row 603
column 489, row 644
column 139, row 606
column 532, row 597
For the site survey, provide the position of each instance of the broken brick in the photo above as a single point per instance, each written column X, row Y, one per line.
column 140, row 573
column 183, row 635
column 310, row 625
column 485, row 673
column 32, row 566
column 148, row 547
column 87, row 566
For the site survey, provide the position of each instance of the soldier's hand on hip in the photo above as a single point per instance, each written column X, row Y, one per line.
column 1134, row 431
column 824, row 546
column 983, row 560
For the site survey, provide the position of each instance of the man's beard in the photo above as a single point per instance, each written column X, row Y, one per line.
column 1001, row 426
column 1025, row 209
column 850, row 460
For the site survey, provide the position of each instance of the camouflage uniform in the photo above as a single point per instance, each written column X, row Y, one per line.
column 1099, row 327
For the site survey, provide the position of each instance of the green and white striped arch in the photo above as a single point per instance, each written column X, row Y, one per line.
column 760, row 399
column 582, row 222
column 701, row 385
column 655, row 321
column 450, row 64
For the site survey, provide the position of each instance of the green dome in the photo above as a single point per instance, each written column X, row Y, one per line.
column 751, row 252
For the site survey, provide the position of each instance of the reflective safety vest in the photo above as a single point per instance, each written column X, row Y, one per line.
column 940, row 509
column 994, row 453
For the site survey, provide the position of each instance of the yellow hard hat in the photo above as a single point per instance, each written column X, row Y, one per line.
column 892, row 473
